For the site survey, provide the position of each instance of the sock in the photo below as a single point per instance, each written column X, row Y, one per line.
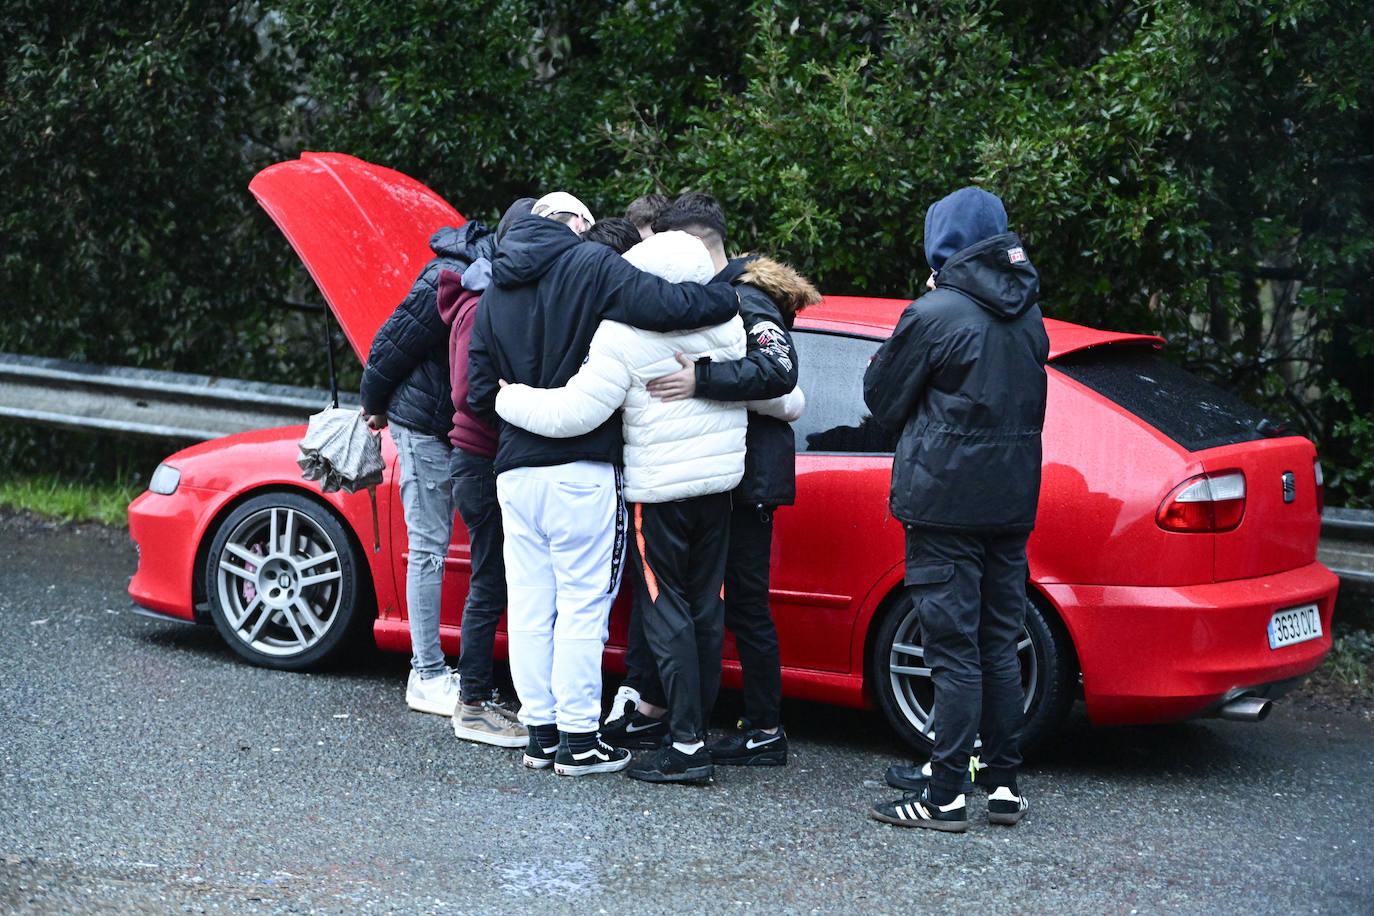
column 993, row 780
column 578, row 742
column 546, row 736
column 941, row 796
column 689, row 749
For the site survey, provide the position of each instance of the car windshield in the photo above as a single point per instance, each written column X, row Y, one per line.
column 1189, row 410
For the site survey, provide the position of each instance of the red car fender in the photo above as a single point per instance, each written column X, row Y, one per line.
column 873, row 600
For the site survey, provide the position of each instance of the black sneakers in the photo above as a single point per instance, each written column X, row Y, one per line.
column 538, row 757
column 636, row 731
column 919, row 811
column 668, row 764
column 1005, row 806
column 750, row 747
column 599, row 758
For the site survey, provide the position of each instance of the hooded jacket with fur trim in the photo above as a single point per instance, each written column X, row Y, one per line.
column 673, row 449
column 771, row 293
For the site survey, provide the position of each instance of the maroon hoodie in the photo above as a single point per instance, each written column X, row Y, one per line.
column 458, row 307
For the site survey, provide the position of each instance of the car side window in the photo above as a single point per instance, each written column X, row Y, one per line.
column 832, row 376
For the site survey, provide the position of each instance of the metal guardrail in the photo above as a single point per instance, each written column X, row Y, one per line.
column 169, row 405
column 1347, row 547
column 181, row 406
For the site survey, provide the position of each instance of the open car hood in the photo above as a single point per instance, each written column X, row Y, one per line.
column 362, row 231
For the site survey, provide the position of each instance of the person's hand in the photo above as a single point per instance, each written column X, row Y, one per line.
column 930, row 280
column 676, row 387
column 375, row 421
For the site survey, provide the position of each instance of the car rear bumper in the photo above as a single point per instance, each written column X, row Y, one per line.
column 1163, row 654
column 166, row 531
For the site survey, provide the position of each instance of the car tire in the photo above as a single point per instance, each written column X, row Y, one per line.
column 1048, row 665
column 304, row 602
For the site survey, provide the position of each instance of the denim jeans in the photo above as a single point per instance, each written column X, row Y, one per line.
column 427, row 499
column 474, row 493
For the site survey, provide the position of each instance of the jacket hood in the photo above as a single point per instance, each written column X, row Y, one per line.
column 783, row 284
column 959, row 220
column 780, row 282
column 996, row 273
column 673, row 255
column 532, row 246
column 521, row 207
column 458, row 243
column 449, row 295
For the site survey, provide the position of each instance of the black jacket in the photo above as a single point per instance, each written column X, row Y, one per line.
column 549, row 292
column 963, row 376
column 770, row 295
column 406, row 376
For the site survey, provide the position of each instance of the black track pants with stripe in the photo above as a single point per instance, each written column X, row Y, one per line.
column 679, row 550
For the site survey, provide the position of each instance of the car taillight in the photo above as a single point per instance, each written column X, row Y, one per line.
column 1321, row 484
column 1207, row 502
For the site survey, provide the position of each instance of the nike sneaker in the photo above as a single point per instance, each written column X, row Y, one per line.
column 668, row 764
column 750, row 747
column 626, row 701
column 636, row 731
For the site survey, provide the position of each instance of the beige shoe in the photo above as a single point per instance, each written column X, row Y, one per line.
column 489, row 723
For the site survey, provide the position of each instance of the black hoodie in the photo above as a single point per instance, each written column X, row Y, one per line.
column 963, row 377
column 406, row 376
column 549, row 292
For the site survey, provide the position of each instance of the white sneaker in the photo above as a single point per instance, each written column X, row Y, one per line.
column 437, row 695
column 626, row 701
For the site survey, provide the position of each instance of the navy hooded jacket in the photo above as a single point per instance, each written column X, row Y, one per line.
column 963, row 377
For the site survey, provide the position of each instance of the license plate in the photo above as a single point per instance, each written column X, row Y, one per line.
column 1297, row 624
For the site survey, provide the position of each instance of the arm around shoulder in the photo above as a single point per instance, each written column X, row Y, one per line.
column 589, row 399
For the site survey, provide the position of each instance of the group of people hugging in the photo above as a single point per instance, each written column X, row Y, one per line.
column 588, row 394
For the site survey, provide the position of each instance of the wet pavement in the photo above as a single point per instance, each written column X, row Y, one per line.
column 144, row 768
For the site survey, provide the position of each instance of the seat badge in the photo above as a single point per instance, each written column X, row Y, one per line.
column 1290, row 487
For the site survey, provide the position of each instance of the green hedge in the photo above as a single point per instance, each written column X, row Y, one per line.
column 1201, row 170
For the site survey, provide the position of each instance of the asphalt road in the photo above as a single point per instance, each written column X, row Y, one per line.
column 144, row 768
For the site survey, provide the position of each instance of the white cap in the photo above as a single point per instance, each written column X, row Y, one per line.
column 562, row 202
column 675, row 256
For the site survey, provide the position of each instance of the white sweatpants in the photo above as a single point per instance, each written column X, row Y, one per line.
column 564, row 550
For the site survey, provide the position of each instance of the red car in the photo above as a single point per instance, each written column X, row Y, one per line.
column 1173, row 572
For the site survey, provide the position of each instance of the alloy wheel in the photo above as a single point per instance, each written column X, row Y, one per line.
column 912, row 685
column 279, row 580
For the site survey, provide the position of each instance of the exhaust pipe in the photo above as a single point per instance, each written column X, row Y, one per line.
column 1245, row 709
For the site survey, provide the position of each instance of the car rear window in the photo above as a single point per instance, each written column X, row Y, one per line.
column 1189, row 410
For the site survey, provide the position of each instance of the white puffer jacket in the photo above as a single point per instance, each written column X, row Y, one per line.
column 673, row 449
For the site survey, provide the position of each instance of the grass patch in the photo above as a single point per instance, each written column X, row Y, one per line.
column 1351, row 661
column 51, row 496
